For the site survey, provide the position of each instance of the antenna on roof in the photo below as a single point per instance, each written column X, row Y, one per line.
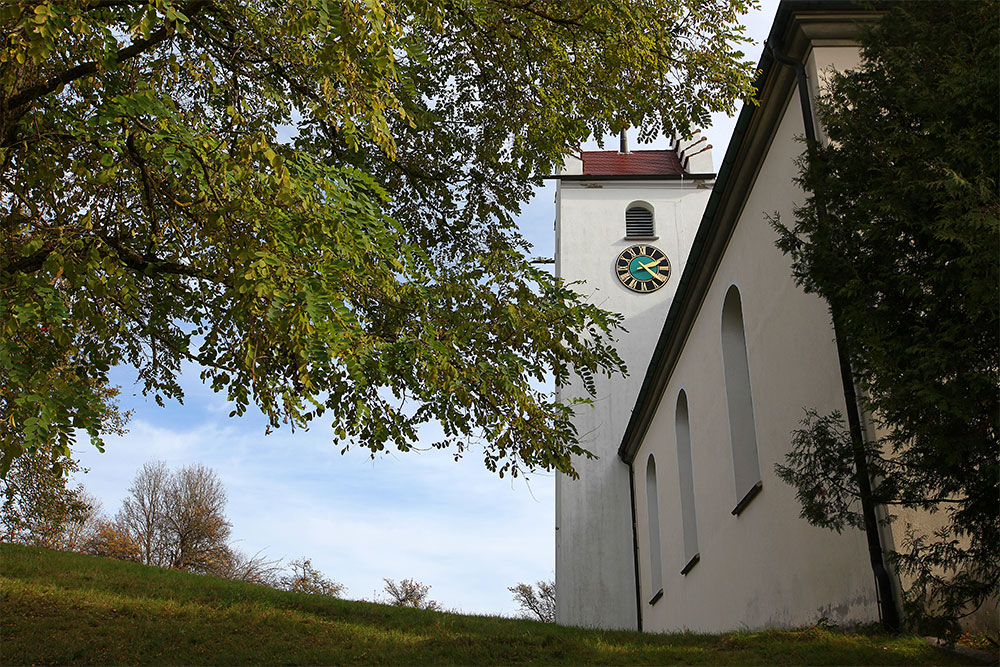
column 623, row 142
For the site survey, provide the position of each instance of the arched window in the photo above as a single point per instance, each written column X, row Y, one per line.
column 653, row 517
column 685, row 471
column 742, row 429
column 639, row 221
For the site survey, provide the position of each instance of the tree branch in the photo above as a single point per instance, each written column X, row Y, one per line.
column 85, row 69
column 108, row 4
column 570, row 21
column 142, row 263
column 147, row 186
column 29, row 264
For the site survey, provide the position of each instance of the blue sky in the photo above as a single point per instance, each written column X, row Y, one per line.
column 452, row 525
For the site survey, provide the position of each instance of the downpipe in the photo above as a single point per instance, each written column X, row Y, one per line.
column 886, row 599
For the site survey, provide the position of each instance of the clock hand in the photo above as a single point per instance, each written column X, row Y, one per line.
column 649, row 269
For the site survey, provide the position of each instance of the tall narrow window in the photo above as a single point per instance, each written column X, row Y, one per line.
column 742, row 429
column 685, row 471
column 653, row 516
column 639, row 221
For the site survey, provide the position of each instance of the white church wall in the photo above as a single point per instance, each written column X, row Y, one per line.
column 766, row 567
column 595, row 579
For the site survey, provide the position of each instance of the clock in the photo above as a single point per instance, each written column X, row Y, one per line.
column 642, row 268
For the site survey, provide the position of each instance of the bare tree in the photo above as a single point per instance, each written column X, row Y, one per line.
column 178, row 519
column 256, row 569
column 304, row 578
column 197, row 531
column 540, row 604
column 410, row 593
column 143, row 512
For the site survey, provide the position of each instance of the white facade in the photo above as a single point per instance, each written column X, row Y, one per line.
column 723, row 409
column 595, row 574
column 765, row 567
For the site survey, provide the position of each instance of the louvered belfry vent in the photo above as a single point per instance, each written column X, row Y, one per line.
column 638, row 222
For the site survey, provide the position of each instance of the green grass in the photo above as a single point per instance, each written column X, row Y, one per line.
column 63, row 608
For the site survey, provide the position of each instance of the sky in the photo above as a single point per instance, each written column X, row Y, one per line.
column 452, row 525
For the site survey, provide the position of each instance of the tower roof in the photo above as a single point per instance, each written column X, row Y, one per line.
column 636, row 163
column 688, row 158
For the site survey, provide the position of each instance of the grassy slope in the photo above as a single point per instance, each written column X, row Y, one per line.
column 66, row 608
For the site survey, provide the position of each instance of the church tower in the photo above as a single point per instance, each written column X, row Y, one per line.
column 625, row 222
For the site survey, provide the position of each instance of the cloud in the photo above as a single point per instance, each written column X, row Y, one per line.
column 453, row 525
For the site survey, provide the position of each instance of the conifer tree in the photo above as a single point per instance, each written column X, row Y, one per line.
column 900, row 236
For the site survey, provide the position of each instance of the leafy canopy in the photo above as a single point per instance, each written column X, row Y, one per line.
column 900, row 237
column 37, row 506
column 313, row 202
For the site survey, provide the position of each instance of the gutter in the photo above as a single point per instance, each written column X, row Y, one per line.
column 694, row 257
column 707, row 228
column 884, row 595
column 635, row 547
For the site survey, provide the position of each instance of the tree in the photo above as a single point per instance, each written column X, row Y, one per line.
column 178, row 519
column 143, row 512
column 899, row 235
column 367, row 269
column 38, row 506
column 111, row 540
column 304, row 578
column 410, row 593
column 195, row 524
column 540, row 604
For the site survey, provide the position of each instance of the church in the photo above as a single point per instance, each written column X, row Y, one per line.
column 681, row 522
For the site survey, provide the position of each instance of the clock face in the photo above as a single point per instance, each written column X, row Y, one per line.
column 643, row 268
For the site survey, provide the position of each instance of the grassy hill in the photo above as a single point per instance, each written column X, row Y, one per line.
column 66, row 608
